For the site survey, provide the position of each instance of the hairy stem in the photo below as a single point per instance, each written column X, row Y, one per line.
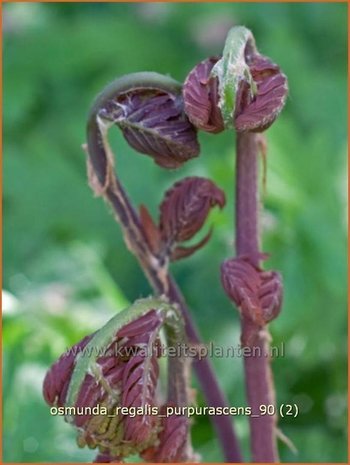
column 157, row 274
column 258, row 375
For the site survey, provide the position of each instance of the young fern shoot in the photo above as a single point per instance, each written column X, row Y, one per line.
column 245, row 91
column 116, row 371
column 241, row 91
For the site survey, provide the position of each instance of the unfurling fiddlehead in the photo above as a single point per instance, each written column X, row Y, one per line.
column 245, row 91
column 116, row 368
column 148, row 108
column 256, row 293
column 183, row 211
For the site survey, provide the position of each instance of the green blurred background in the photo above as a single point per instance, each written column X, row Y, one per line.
column 66, row 269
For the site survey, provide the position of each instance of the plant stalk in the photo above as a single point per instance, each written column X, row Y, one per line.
column 258, row 374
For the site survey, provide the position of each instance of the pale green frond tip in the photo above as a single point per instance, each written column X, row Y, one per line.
column 231, row 69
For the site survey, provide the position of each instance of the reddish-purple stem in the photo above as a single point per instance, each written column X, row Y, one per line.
column 258, row 375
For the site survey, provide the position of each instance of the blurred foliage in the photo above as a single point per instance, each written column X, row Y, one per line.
column 66, row 269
